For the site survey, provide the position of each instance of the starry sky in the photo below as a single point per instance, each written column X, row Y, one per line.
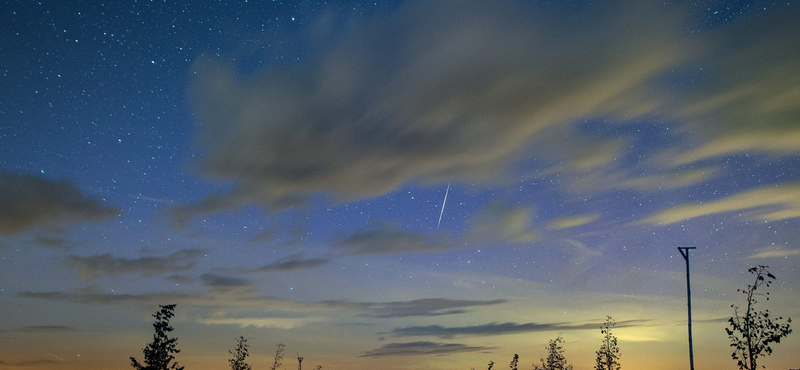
column 394, row 184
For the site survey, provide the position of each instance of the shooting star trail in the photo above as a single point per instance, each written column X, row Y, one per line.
column 443, row 203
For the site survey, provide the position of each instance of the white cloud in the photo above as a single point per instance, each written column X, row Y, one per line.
column 774, row 252
column 762, row 201
column 263, row 322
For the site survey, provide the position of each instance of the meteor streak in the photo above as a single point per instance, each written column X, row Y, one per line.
column 443, row 203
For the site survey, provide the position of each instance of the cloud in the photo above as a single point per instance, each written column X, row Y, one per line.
column 597, row 153
column 574, row 221
column 422, row 348
column 224, row 292
column 733, row 96
column 485, row 329
column 106, row 265
column 670, row 180
column 225, row 283
column 748, row 100
column 774, row 252
column 385, row 238
column 235, row 293
column 28, row 201
column 581, row 254
column 498, row 221
column 424, row 307
column 774, row 142
column 51, row 242
column 44, row 329
column 263, row 236
column 263, row 322
column 497, row 329
column 718, row 320
column 292, row 262
column 433, row 91
column 34, row 363
column 762, row 201
column 181, row 279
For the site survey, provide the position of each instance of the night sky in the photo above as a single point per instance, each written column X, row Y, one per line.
column 394, row 185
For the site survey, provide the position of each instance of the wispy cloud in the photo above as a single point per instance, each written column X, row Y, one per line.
column 573, row 221
column 497, row 221
column 28, row 201
column 718, row 320
column 422, row 348
column 181, row 279
column 34, row 363
column 497, row 329
column 385, row 238
column 291, row 263
column 263, row 322
column 465, row 95
column 455, row 96
column 263, row 236
column 51, row 242
column 91, row 267
column 783, row 142
column 672, row 179
column 223, row 283
column 597, row 153
column 236, row 293
column 44, row 329
column 774, row 252
column 224, row 292
column 749, row 97
column 772, row 202
column 424, row 307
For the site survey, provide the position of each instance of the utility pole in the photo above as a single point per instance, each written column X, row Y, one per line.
column 685, row 253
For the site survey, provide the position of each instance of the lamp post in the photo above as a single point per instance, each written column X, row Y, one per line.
column 300, row 363
column 685, row 253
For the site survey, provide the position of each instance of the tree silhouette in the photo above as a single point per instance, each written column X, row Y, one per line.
column 608, row 354
column 555, row 357
column 752, row 332
column 239, row 355
column 159, row 353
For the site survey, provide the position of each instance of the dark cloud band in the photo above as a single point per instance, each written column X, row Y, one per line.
column 27, row 201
